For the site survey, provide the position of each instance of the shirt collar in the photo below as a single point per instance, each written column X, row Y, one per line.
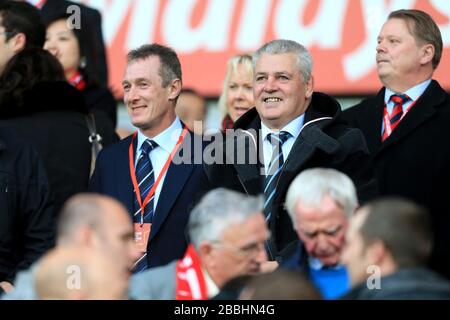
column 316, row 264
column 414, row 93
column 166, row 139
column 37, row 3
column 211, row 287
column 294, row 127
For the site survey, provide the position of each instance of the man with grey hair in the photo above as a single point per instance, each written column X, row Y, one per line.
column 93, row 222
column 320, row 202
column 291, row 129
column 227, row 232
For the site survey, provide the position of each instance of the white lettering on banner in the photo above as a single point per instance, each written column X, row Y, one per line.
column 444, row 7
column 212, row 34
column 143, row 24
column 325, row 30
column 360, row 62
column 113, row 15
column 253, row 27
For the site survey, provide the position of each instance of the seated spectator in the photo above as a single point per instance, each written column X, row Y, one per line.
column 40, row 106
column 191, row 108
column 79, row 274
column 87, row 222
column 237, row 93
column 227, row 232
column 320, row 202
column 388, row 245
column 70, row 47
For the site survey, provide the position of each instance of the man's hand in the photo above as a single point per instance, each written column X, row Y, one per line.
column 268, row 266
column 6, row 286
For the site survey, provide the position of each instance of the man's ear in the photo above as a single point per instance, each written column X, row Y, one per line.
column 174, row 89
column 18, row 42
column 377, row 252
column 85, row 236
column 309, row 85
column 428, row 51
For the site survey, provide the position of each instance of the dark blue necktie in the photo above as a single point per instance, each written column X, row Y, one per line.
column 145, row 177
column 274, row 170
column 272, row 175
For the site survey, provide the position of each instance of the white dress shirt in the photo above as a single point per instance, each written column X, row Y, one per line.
column 294, row 127
column 166, row 141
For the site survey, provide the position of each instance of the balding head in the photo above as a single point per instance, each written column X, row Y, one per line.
column 98, row 222
column 79, row 274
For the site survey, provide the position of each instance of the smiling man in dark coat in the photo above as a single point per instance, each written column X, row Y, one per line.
column 305, row 126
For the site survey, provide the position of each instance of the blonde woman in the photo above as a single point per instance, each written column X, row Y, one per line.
column 237, row 93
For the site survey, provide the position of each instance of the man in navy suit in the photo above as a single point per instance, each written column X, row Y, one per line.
column 160, row 208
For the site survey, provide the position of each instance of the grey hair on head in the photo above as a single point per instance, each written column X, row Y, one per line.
column 312, row 185
column 280, row 46
column 218, row 210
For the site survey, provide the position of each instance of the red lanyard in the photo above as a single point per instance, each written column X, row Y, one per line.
column 164, row 169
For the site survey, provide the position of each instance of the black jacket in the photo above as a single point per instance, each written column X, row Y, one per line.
column 324, row 141
column 53, row 120
column 405, row 284
column 414, row 162
column 26, row 214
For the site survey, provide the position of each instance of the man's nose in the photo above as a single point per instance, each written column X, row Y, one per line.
column 270, row 84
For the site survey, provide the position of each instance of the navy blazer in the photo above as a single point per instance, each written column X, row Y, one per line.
column 167, row 241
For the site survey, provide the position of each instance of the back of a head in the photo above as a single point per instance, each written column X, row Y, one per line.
column 79, row 274
column 218, row 210
column 26, row 69
column 21, row 17
column 82, row 210
column 403, row 227
column 280, row 285
column 60, row 274
column 423, row 28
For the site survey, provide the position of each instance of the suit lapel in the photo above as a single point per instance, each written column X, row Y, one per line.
column 124, row 185
column 173, row 185
column 421, row 112
column 248, row 143
column 371, row 121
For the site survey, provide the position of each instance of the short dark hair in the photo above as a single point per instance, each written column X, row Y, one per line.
column 403, row 226
column 170, row 65
column 21, row 17
column 423, row 28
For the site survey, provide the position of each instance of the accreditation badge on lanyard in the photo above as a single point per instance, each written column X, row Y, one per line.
column 142, row 230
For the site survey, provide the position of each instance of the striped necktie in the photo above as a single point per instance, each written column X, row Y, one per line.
column 397, row 112
column 146, row 178
column 274, row 170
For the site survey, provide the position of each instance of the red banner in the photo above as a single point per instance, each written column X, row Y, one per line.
column 341, row 35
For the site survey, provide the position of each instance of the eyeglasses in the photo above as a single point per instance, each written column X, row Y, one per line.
column 7, row 33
